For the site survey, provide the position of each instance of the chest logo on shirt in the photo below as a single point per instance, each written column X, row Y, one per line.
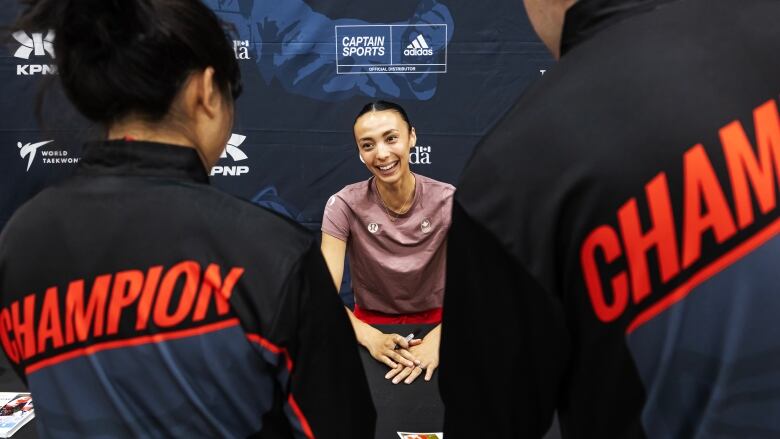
column 373, row 227
column 426, row 225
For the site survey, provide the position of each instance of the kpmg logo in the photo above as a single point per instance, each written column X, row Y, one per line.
column 391, row 48
column 35, row 44
column 236, row 154
column 241, row 49
column 49, row 156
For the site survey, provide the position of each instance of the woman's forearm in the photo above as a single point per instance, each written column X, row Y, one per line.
column 362, row 329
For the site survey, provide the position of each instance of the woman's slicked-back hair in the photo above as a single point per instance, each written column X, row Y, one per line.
column 382, row 106
column 131, row 57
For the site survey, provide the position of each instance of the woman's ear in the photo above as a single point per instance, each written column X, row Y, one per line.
column 199, row 97
column 208, row 118
column 412, row 138
column 210, row 98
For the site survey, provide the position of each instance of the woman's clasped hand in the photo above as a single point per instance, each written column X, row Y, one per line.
column 425, row 355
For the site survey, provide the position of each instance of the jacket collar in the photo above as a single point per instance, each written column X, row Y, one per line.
column 587, row 17
column 143, row 159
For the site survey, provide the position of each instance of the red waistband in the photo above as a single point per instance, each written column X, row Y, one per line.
column 431, row 316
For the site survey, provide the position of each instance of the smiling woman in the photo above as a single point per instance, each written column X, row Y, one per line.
column 393, row 226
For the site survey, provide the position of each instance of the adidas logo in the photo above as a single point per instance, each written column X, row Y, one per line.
column 418, row 43
column 418, row 47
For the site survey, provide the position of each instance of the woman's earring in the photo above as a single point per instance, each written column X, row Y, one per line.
column 361, row 159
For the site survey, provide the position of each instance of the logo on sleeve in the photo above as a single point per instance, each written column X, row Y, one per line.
column 373, row 228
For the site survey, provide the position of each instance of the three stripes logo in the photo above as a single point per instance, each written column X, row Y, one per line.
column 418, row 47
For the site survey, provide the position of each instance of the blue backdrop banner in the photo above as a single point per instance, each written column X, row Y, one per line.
column 308, row 67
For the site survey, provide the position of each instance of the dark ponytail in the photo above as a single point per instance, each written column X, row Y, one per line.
column 122, row 57
column 383, row 106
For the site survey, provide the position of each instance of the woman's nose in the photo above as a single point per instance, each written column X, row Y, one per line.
column 382, row 151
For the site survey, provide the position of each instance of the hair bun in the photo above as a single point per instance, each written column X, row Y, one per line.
column 95, row 24
column 101, row 26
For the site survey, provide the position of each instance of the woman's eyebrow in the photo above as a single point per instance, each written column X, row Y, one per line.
column 390, row 131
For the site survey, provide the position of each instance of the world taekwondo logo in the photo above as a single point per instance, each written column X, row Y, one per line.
column 236, row 154
column 418, row 47
column 51, row 156
column 34, row 44
column 28, row 150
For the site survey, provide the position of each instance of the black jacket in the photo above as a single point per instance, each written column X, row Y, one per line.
column 613, row 253
column 138, row 301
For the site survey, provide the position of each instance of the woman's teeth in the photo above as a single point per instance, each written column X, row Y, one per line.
column 387, row 167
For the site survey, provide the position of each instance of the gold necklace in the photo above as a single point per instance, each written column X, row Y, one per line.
column 403, row 206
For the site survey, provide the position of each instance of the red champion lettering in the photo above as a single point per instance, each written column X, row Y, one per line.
column 172, row 299
column 753, row 173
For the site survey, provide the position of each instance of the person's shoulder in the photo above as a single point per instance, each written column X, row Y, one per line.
column 436, row 185
column 244, row 217
column 34, row 217
column 357, row 188
column 355, row 191
column 28, row 215
column 230, row 223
